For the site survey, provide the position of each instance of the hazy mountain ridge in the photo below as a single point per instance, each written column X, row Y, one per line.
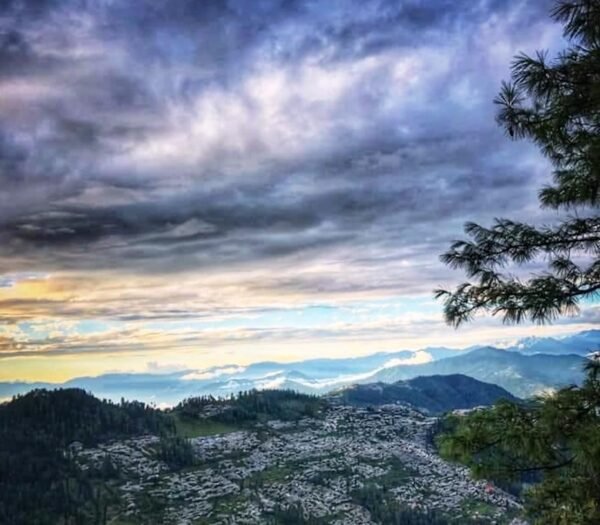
column 522, row 375
column 525, row 367
column 581, row 343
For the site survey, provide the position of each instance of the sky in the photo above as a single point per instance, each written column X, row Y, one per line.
column 186, row 184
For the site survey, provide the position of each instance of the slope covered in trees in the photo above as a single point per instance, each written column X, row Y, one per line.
column 435, row 394
column 251, row 406
column 38, row 483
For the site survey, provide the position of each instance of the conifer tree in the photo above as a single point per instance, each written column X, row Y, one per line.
column 555, row 103
column 553, row 440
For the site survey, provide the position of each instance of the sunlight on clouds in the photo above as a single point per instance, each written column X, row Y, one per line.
column 99, row 323
column 185, row 196
column 278, row 111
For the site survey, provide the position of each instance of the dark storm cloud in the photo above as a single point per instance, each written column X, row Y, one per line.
column 158, row 135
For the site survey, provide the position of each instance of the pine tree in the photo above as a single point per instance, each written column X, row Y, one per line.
column 552, row 440
column 555, row 103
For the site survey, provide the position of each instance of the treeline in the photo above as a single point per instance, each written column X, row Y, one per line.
column 38, row 482
column 252, row 406
column 383, row 512
column 293, row 515
column 387, row 510
column 175, row 451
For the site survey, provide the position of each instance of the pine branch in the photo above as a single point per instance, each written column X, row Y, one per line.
column 510, row 241
column 541, row 299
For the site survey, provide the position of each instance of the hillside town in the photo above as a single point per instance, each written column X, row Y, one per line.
column 316, row 466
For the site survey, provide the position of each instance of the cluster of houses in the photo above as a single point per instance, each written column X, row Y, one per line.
column 316, row 465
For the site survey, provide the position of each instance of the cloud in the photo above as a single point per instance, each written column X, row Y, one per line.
column 10, row 280
column 588, row 314
column 212, row 373
column 154, row 367
column 166, row 164
column 417, row 358
column 326, row 127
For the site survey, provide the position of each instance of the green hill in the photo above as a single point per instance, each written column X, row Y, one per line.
column 38, row 483
column 250, row 406
column 434, row 394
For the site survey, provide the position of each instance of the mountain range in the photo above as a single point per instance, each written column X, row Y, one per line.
column 525, row 367
column 522, row 375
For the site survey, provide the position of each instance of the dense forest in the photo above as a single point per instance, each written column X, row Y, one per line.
column 381, row 512
column 252, row 406
column 386, row 510
column 38, row 482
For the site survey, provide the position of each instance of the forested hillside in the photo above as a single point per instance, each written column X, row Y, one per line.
column 38, row 483
column 67, row 458
column 251, row 406
column 435, row 394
